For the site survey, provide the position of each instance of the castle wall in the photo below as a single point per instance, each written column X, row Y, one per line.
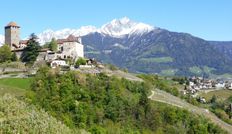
column 41, row 56
column 71, row 49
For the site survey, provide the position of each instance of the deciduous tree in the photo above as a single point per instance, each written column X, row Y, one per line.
column 5, row 53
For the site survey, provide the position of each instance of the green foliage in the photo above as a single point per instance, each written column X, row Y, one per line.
column 5, row 53
column 31, row 52
column 160, row 84
column 112, row 67
column 18, row 117
column 23, row 83
column 213, row 99
column 103, row 104
column 222, row 108
column 158, row 60
column 14, row 57
column 191, row 100
column 53, row 45
column 181, row 80
column 80, row 61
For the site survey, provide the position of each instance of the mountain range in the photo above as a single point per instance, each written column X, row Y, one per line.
column 143, row 48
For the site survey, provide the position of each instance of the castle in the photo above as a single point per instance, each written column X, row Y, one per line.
column 12, row 36
column 71, row 47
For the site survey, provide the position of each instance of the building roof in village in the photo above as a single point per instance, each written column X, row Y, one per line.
column 12, row 24
column 23, row 42
column 70, row 38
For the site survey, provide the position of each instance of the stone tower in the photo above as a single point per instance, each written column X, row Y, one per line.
column 12, row 35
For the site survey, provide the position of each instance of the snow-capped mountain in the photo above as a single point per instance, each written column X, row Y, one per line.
column 2, row 39
column 47, row 35
column 115, row 28
column 143, row 48
column 124, row 26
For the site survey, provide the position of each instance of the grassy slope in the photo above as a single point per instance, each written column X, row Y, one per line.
column 23, row 83
column 220, row 94
column 14, row 86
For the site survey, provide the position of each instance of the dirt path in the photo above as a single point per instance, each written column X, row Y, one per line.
column 164, row 97
column 122, row 74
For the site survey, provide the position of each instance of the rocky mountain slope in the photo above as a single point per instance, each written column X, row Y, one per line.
column 158, row 51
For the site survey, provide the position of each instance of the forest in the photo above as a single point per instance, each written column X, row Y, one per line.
column 106, row 104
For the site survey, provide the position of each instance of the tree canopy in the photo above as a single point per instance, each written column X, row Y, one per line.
column 5, row 53
column 80, row 61
column 103, row 104
column 53, row 45
column 31, row 52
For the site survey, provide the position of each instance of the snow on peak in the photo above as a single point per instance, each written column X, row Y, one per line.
column 47, row 35
column 124, row 26
column 115, row 28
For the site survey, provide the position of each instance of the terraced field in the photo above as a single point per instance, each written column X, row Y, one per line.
column 162, row 96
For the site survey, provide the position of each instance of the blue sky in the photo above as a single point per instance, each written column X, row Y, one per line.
column 208, row 19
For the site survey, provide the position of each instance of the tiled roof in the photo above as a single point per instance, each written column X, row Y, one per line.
column 12, row 24
column 23, row 42
column 70, row 38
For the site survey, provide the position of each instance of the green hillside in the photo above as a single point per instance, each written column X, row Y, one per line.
column 18, row 117
column 14, row 86
column 103, row 104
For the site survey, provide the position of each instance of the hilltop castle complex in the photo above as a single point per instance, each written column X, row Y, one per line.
column 71, row 47
column 12, row 36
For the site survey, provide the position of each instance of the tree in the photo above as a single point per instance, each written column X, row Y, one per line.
column 213, row 99
column 31, row 52
column 80, row 61
column 14, row 57
column 5, row 53
column 53, row 45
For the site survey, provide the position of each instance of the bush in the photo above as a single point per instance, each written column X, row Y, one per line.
column 80, row 61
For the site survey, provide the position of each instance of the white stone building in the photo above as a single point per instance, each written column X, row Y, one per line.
column 70, row 47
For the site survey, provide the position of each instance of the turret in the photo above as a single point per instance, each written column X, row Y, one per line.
column 12, row 35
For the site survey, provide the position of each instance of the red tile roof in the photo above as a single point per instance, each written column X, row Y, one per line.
column 12, row 24
column 70, row 38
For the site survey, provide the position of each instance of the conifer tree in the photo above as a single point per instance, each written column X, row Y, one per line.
column 31, row 52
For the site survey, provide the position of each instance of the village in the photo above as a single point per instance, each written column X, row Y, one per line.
column 201, row 84
column 69, row 55
column 66, row 55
